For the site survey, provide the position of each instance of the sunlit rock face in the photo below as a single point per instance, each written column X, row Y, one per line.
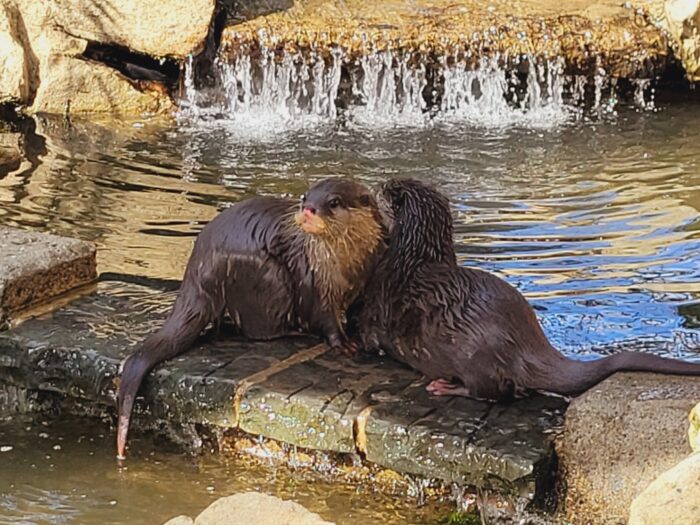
column 673, row 498
column 587, row 36
column 49, row 68
column 682, row 19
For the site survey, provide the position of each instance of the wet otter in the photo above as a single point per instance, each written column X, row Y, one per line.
column 471, row 333
column 276, row 267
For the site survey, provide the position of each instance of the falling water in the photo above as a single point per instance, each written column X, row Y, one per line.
column 278, row 90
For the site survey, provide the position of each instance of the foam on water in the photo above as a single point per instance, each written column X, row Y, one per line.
column 270, row 92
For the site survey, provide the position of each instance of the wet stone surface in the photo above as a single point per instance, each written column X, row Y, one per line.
column 36, row 267
column 292, row 390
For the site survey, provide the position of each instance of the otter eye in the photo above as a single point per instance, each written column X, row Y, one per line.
column 334, row 203
column 303, row 197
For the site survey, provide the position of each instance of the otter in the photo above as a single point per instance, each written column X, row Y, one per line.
column 468, row 331
column 277, row 267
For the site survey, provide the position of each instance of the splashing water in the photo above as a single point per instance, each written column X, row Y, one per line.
column 266, row 91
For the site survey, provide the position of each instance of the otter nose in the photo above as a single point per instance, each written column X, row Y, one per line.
column 307, row 209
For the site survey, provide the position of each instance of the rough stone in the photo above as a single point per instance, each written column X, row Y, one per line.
column 180, row 520
column 45, row 68
column 672, row 499
column 588, row 36
column 618, row 437
column 10, row 152
column 682, row 19
column 694, row 428
column 36, row 267
column 293, row 390
column 73, row 85
column 261, row 509
column 12, row 60
column 174, row 29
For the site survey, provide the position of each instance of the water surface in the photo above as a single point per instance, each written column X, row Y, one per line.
column 596, row 220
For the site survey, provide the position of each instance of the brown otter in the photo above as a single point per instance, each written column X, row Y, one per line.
column 277, row 267
column 471, row 333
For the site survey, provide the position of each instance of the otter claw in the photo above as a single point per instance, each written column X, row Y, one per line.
column 443, row 387
column 349, row 348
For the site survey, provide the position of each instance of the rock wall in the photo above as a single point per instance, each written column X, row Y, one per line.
column 46, row 67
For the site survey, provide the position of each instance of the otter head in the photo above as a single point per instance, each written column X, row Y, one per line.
column 422, row 222
column 331, row 206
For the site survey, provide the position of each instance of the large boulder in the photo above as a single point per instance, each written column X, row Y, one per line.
column 46, row 68
column 672, row 499
column 618, row 437
column 252, row 507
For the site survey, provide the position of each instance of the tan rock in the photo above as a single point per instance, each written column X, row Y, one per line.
column 10, row 153
column 180, row 520
column 72, row 85
column 694, row 428
column 683, row 22
column 13, row 68
column 163, row 28
column 257, row 508
column 672, row 499
column 618, row 437
column 44, row 67
column 587, row 34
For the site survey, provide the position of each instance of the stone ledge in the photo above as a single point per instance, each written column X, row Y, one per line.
column 36, row 267
column 292, row 390
column 586, row 35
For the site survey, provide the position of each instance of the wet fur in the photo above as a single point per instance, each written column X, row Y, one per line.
column 255, row 263
column 465, row 325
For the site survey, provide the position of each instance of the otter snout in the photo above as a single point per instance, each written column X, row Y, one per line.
column 309, row 220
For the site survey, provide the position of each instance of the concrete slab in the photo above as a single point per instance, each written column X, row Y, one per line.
column 36, row 267
column 294, row 390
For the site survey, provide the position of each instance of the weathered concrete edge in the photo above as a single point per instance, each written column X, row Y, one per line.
column 73, row 266
column 174, row 398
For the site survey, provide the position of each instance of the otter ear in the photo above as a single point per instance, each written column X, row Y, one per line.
column 365, row 200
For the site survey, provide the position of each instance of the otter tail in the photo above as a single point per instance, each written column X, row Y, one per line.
column 572, row 377
column 190, row 315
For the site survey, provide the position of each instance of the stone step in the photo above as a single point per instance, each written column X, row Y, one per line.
column 37, row 267
column 293, row 390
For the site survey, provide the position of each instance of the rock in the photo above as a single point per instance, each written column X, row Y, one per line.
column 672, row 499
column 10, row 152
column 44, row 65
column 72, row 85
column 694, row 428
column 180, row 520
column 13, row 86
column 36, row 267
column 164, row 28
column 587, row 35
column 682, row 20
column 253, row 507
column 618, row 437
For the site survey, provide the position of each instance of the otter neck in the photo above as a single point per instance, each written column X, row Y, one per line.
column 342, row 256
column 416, row 242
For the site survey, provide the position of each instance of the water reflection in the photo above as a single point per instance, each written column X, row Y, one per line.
column 597, row 221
